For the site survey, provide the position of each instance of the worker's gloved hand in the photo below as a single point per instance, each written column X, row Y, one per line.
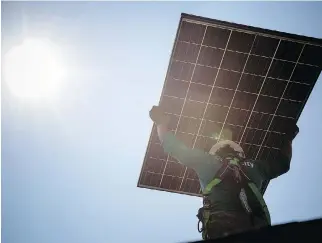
column 291, row 132
column 158, row 117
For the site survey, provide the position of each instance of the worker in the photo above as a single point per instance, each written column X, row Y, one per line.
column 232, row 201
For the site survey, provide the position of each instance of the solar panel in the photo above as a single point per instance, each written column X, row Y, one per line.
column 230, row 81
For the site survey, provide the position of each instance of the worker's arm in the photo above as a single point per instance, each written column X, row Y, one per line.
column 193, row 158
column 281, row 164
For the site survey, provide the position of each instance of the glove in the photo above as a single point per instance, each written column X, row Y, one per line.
column 291, row 131
column 158, row 117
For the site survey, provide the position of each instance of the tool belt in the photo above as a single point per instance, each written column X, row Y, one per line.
column 242, row 181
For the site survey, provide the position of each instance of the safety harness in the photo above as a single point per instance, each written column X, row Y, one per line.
column 230, row 163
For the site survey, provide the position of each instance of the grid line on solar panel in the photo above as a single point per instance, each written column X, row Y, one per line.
column 211, row 138
column 278, row 128
column 280, row 100
column 237, row 85
column 194, row 68
column 253, row 131
column 251, row 54
column 162, row 95
column 262, row 95
column 234, row 71
column 265, row 113
column 237, row 91
column 205, row 110
column 180, row 80
column 151, row 180
column 260, row 90
column 232, row 100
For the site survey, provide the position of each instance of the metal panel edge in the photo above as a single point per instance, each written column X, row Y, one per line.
column 254, row 30
column 169, row 190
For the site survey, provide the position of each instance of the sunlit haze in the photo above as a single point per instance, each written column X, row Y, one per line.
column 32, row 69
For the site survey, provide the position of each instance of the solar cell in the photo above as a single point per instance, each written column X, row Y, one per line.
column 230, row 81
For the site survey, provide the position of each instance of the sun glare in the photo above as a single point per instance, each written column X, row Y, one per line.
column 32, row 69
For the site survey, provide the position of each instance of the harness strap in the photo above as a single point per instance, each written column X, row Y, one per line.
column 254, row 189
column 204, row 212
column 261, row 200
column 213, row 183
column 217, row 177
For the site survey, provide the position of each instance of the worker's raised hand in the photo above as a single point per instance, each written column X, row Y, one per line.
column 158, row 117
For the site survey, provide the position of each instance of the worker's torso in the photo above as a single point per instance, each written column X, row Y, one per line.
column 224, row 196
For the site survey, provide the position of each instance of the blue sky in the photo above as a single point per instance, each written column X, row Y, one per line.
column 70, row 166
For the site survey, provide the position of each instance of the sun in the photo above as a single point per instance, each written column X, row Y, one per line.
column 32, row 69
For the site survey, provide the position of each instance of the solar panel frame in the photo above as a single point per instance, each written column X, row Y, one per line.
column 299, row 43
